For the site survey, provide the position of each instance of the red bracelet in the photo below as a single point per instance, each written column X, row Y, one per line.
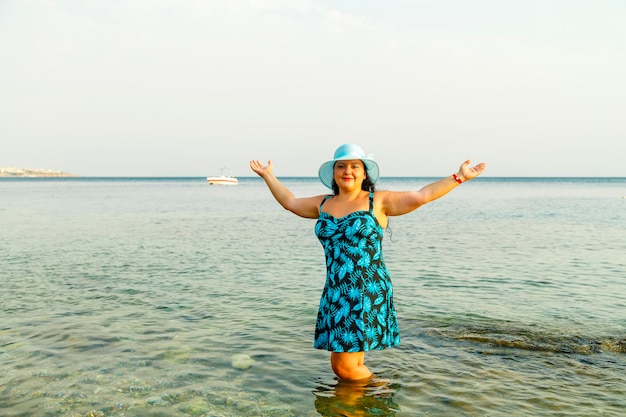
column 457, row 179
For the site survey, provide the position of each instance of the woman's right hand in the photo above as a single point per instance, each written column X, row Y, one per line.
column 261, row 170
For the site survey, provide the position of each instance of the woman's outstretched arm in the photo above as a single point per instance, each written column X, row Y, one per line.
column 303, row 207
column 398, row 203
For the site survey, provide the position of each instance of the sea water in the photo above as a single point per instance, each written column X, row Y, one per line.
column 172, row 297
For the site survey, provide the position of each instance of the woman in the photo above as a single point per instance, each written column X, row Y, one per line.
column 356, row 311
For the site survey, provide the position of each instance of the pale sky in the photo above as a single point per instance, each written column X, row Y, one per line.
column 182, row 88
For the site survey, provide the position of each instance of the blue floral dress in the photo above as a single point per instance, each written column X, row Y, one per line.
column 356, row 312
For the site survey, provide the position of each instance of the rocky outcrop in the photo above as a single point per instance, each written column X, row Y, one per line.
column 32, row 173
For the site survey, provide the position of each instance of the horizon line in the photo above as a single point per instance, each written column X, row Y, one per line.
column 74, row 176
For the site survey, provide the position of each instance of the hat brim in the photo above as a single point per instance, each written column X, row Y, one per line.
column 325, row 172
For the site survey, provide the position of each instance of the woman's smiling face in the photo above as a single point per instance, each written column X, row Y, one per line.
column 349, row 173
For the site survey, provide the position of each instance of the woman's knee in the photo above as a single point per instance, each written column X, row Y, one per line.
column 349, row 365
column 343, row 370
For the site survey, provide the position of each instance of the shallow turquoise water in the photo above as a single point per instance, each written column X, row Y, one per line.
column 138, row 297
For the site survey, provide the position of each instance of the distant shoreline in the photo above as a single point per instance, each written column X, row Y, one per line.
column 484, row 178
column 32, row 173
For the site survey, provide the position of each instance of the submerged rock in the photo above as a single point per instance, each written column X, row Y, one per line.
column 196, row 407
column 157, row 401
column 241, row 361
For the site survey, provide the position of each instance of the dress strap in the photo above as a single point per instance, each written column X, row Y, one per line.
column 324, row 200
column 371, row 201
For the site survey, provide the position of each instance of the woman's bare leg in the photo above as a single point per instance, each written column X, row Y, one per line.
column 349, row 365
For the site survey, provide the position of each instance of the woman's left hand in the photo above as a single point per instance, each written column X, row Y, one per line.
column 467, row 173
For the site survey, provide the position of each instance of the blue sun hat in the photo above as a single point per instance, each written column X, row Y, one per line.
column 347, row 152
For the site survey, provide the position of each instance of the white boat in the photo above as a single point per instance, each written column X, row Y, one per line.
column 222, row 179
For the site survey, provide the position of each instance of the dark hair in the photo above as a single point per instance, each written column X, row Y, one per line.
column 367, row 184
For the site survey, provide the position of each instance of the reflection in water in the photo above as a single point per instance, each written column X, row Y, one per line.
column 369, row 397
